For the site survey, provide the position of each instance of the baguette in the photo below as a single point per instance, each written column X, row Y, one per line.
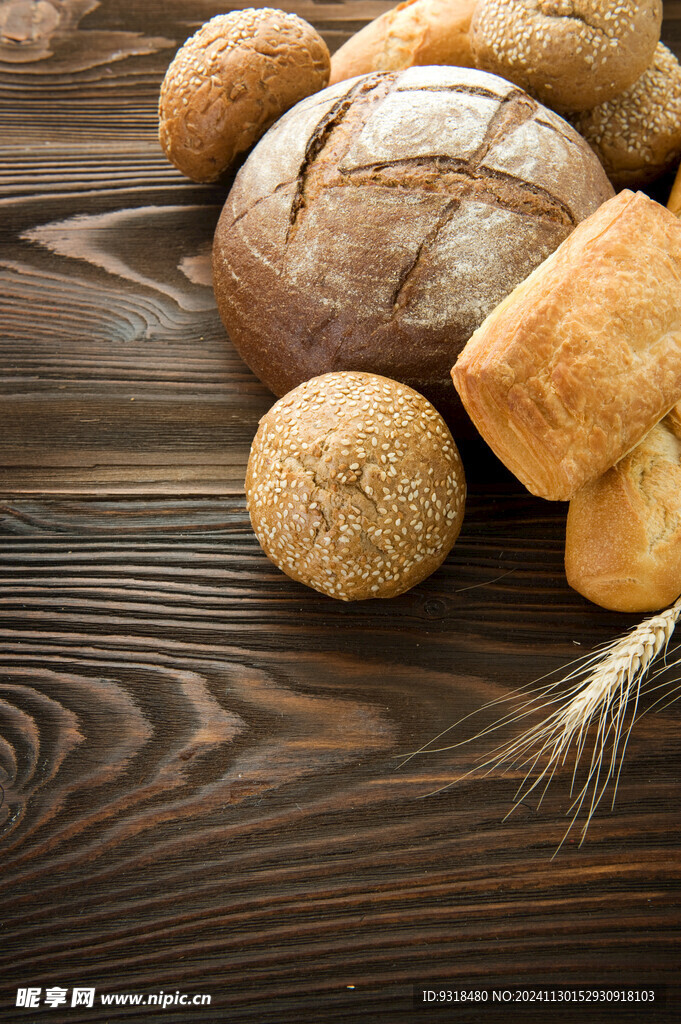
column 623, row 533
column 416, row 32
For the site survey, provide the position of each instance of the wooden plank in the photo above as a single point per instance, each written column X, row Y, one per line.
column 202, row 786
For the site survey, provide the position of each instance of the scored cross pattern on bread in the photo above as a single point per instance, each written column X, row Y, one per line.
column 378, row 222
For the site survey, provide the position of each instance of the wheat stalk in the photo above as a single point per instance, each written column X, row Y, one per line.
column 589, row 718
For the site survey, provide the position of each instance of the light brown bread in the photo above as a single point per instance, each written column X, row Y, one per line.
column 230, row 81
column 574, row 368
column 355, row 486
column 637, row 135
column 623, row 536
column 414, row 32
column 379, row 222
column 570, row 54
column 674, row 203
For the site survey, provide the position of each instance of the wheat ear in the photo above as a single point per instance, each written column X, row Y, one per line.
column 604, row 686
column 603, row 689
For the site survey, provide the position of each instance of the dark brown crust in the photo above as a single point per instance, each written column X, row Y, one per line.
column 289, row 260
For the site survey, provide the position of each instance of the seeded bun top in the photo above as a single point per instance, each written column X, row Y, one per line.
column 570, row 54
column 637, row 135
column 230, row 81
column 355, row 486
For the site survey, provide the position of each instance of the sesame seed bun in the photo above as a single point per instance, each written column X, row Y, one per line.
column 354, row 486
column 570, row 54
column 637, row 135
column 231, row 81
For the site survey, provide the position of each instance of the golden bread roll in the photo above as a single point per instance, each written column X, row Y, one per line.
column 355, row 486
column 570, row 54
column 637, row 135
column 583, row 358
column 674, row 203
column 623, row 536
column 230, row 81
column 414, row 32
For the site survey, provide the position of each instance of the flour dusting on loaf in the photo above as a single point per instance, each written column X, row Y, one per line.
column 378, row 222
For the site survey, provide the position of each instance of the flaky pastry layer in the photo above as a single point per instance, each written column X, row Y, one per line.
column 583, row 358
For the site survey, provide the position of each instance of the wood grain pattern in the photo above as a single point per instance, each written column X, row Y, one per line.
column 202, row 775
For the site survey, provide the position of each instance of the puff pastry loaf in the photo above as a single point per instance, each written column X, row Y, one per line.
column 583, row 358
column 623, row 535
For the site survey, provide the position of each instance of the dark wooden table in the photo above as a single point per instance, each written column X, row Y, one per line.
column 200, row 766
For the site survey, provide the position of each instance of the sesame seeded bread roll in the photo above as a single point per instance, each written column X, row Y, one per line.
column 623, row 535
column 230, row 81
column 637, row 135
column 414, row 32
column 570, row 54
column 578, row 364
column 354, row 486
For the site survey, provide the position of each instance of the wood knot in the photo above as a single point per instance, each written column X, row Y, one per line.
column 26, row 26
column 35, row 30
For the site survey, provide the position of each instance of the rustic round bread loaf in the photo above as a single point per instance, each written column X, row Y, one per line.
column 637, row 135
column 230, row 81
column 378, row 222
column 570, row 54
column 355, row 486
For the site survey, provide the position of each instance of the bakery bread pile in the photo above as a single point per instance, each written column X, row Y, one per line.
column 573, row 381
column 623, row 534
column 600, row 63
column 430, row 218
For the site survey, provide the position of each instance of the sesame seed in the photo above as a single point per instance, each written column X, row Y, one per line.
column 313, row 556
